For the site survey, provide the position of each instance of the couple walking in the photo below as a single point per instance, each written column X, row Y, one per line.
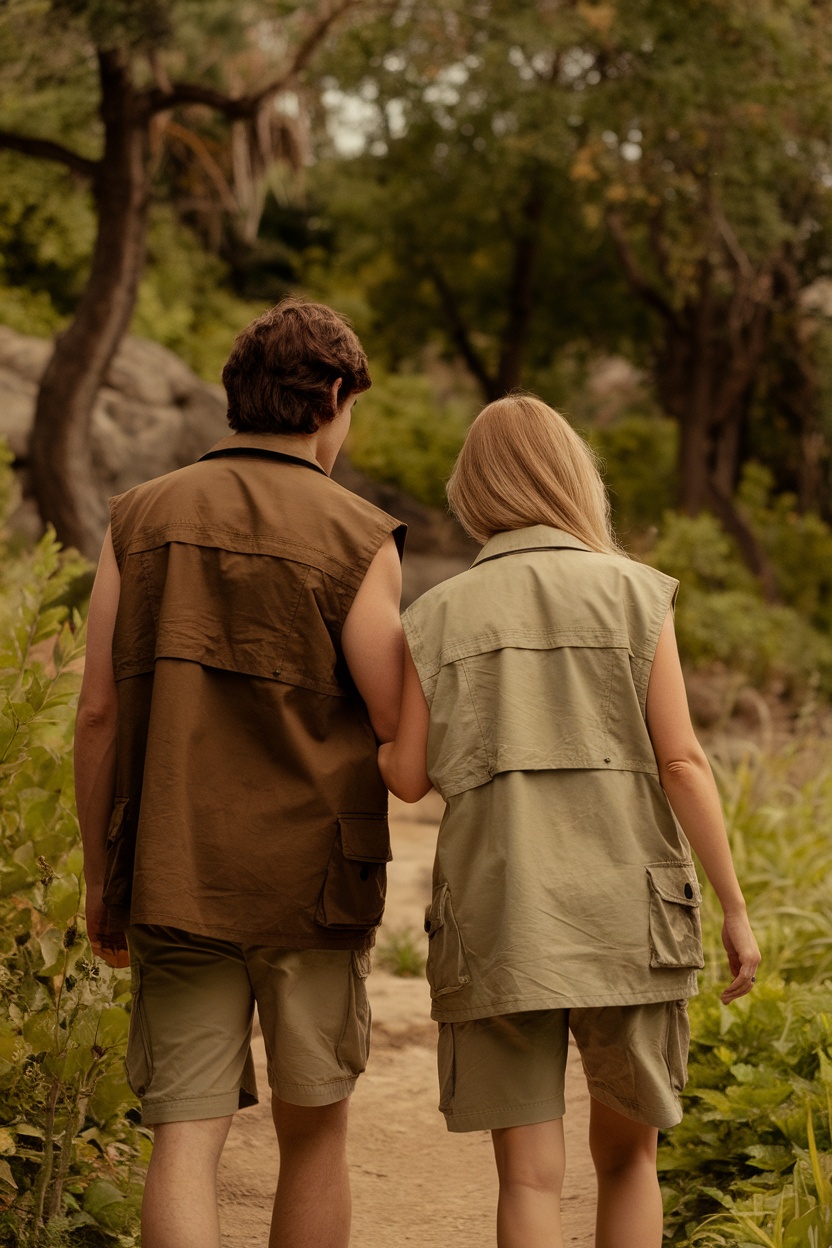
column 246, row 658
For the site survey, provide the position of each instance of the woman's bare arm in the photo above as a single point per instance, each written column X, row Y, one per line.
column 688, row 781
column 402, row 762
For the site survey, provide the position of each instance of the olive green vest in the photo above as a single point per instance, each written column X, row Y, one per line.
column 537, row 658
column 562, row 877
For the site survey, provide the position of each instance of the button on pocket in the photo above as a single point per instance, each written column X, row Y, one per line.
column 675, row 927
column 355, row 884
column 447, row 967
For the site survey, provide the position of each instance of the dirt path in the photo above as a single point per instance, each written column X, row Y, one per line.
column 412, row 1182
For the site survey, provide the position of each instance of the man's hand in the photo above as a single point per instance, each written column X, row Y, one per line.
column 110, row 946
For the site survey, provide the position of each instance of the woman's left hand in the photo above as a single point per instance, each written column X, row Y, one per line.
column 743, row 955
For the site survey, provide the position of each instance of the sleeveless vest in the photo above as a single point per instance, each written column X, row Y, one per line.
column 249, row 806
column 562, row 877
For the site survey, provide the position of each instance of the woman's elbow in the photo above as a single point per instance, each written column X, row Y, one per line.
column 684, row 768
column 411, row 789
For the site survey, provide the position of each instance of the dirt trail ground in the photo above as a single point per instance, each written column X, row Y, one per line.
column 412, row 1182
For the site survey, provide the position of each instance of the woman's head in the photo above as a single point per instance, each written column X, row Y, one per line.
column 523, row 464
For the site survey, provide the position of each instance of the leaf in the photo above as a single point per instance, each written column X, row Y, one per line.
column 6, row 1176
column 7, row 1142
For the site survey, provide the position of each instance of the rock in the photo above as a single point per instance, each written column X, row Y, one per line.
column 24, row 355
column 17, row 406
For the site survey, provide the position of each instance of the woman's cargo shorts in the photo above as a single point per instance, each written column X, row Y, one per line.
column 509, row 1071
column 188, row 1053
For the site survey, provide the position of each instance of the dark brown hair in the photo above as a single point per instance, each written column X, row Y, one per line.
column 279, row 375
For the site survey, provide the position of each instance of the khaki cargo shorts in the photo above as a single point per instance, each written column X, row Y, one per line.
column 509, row 1071
column 188, row 1052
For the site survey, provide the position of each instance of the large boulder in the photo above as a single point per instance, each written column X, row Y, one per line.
column 153, row 415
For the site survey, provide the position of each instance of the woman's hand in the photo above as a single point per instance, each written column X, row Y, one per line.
column 743, row 955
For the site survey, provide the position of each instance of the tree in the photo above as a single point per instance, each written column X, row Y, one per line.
column 531, row 158
column 130, row 96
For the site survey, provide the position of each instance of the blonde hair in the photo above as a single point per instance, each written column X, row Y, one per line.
column 522, row 464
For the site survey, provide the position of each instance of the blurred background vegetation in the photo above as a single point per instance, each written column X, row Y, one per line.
column 625, row 208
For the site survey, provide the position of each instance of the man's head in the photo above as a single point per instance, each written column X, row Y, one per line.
column 282, row 371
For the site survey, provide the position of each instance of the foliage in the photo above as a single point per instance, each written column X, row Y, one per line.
column 184, row 300
column 799, row 544
column 757, row 1104
column 638, row 453
column 722, row 618
column 67, row 1151
column 403, row 432
column 400, row 952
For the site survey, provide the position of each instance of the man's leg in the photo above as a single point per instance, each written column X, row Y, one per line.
column 530, row 1165
column 629, row 1199
column 313, row 1204
column 179, row 1209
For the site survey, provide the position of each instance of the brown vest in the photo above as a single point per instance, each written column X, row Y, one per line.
column 249, row 806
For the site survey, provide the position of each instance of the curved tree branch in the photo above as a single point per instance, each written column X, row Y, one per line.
column 633, row 272
column 45, row 149
column 242, row 106
column 460, row 335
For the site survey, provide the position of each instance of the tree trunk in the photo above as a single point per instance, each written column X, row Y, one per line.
column 521, row 291
column 66, row 488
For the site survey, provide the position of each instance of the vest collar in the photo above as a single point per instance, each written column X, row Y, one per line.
column 536, row 537
column 267, row 445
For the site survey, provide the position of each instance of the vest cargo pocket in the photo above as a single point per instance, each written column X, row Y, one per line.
column 447, row 968
column 675, row 927
column 120, row 854
column 355, row 884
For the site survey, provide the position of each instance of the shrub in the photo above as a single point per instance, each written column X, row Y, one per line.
column 722, row 618
column 400, row 952
column 757, row 1101
column 68, row 1153
column 638, row 454
column 403, row 433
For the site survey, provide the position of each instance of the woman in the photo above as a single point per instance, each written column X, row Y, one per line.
column 544, row 700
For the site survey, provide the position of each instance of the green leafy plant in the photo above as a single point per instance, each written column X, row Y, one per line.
column 753, row 1152
column 722, row 618
column 400, row 952
column 70, row 1153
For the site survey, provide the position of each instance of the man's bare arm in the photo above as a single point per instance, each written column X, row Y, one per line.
column 373, row 641
column 95, row 745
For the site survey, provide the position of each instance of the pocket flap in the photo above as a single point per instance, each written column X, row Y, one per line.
column 365, row 838
column 675, row 881
column 435, row 912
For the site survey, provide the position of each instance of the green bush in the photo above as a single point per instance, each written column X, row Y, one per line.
column 721, row 616
column 70, row 1159
column 404, row 433
column 754, row 1145
column 798, row 544
column 638, row 454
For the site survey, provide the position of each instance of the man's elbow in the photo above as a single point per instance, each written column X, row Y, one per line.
column 96, row 716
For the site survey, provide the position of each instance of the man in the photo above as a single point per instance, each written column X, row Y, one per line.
column 244, row 654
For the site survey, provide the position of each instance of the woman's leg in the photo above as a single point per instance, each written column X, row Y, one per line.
column 629, row 1200
column 530, row 1164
